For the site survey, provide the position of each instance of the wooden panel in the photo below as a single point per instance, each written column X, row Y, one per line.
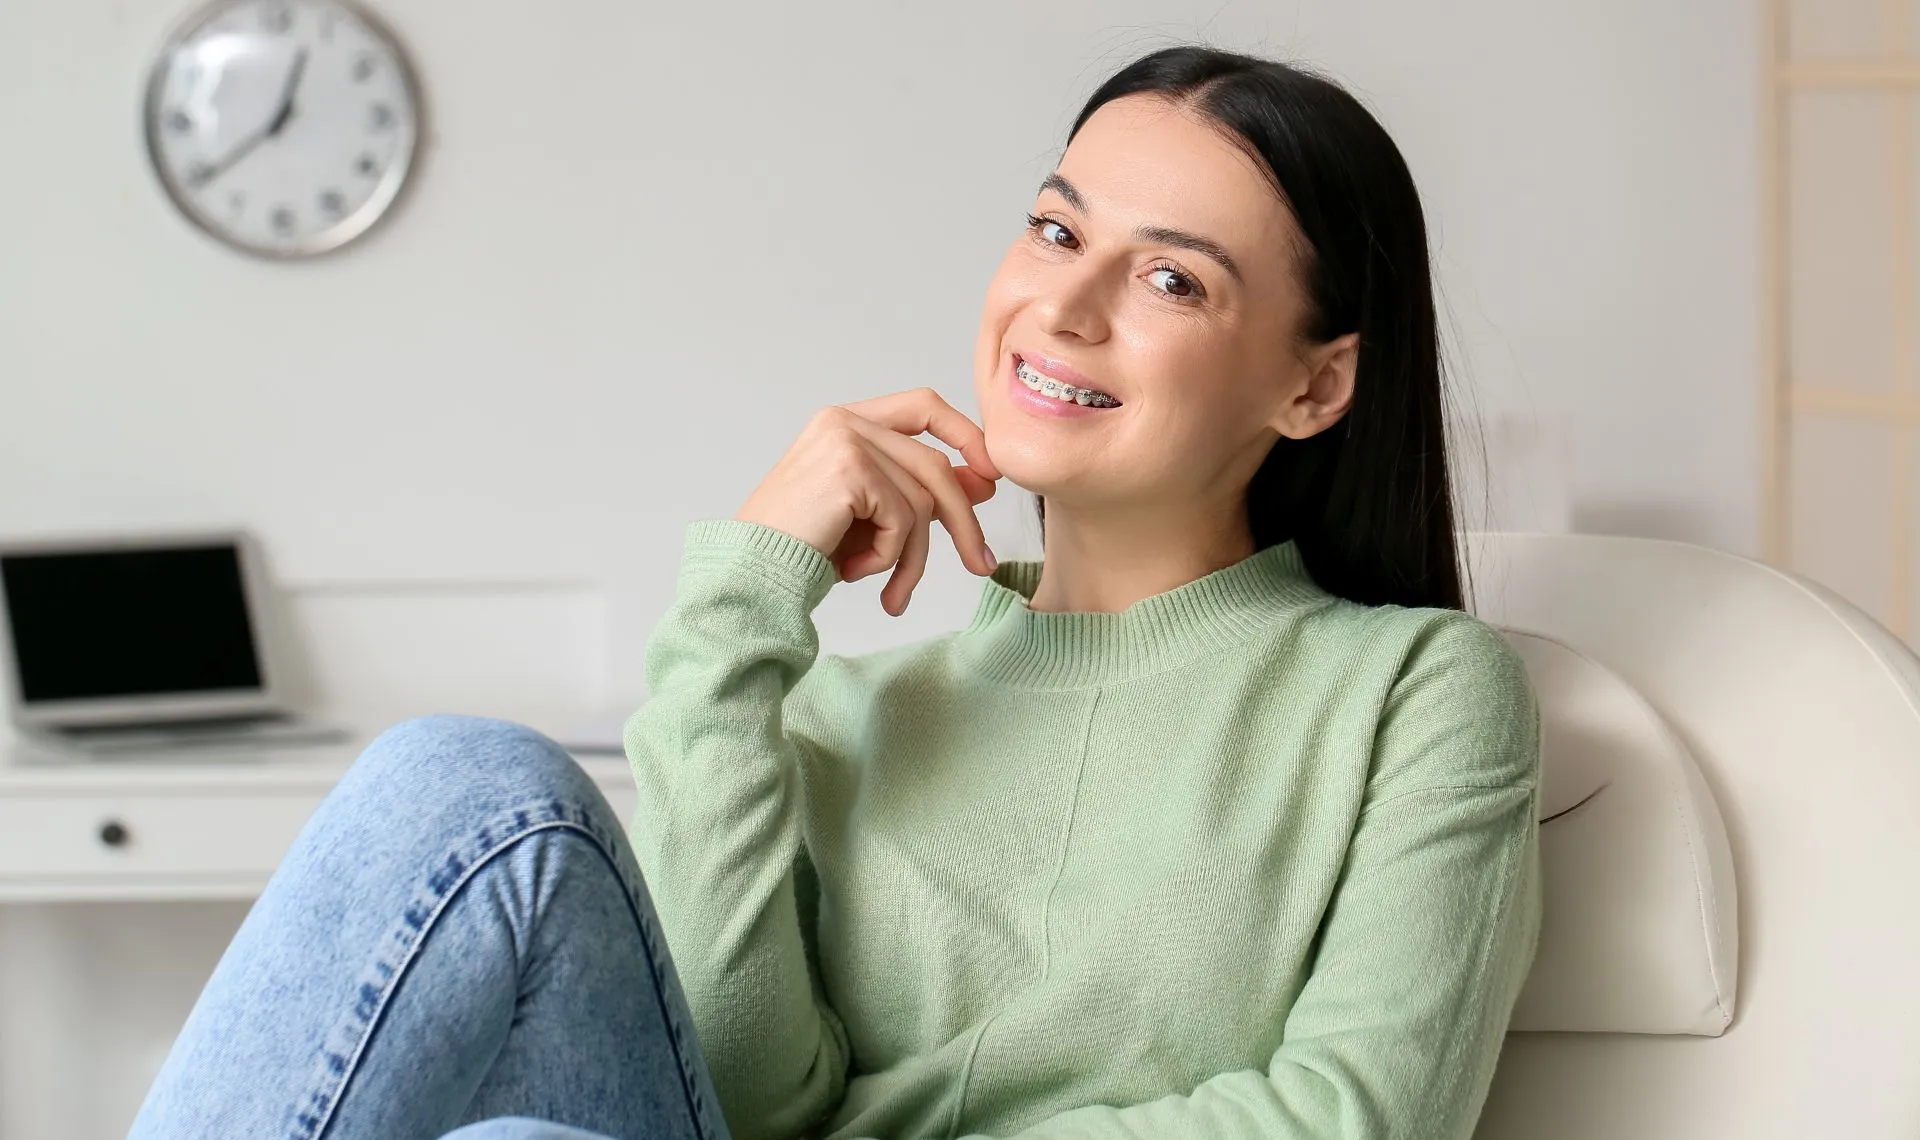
column 1840, row 359
column 1841, row 502
column 1828, row 29
column 1839, row 267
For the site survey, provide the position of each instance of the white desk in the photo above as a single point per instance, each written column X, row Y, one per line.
column 124, row 879
column 211, row 825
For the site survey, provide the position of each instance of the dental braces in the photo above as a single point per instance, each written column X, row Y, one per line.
column 1048, row 386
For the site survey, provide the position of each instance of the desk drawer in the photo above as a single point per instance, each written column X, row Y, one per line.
column 104, row 836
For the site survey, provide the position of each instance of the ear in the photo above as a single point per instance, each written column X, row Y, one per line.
column 1328, row 392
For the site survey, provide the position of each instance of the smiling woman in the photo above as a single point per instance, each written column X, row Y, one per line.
column 1239, row 254
column 1219, row 821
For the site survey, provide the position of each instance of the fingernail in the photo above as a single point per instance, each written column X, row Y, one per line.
column 992, row 562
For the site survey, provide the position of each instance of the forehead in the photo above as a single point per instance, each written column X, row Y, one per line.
column 1145, row 160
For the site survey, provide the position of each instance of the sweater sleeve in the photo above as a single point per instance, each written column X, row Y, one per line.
column 1426, row 942
column 717, row 827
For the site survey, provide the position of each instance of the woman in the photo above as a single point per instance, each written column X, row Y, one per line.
column 1219, row 821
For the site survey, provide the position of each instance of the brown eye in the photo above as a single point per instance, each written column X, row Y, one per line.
column 1179, row 285
column 1045, row 228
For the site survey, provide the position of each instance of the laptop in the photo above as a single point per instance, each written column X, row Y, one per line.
column 145, row 642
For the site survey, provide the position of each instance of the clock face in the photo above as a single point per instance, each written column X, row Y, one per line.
column 283, row 127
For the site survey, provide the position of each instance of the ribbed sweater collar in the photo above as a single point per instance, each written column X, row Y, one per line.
column 1008, row 641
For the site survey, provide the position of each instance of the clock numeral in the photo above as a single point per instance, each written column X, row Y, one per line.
column 283, row 219
column 380, row 117
column 275, row 18
column 199, row 173
column 332, row 202
column 367, row 166
column 363, row 69
column 179, row 122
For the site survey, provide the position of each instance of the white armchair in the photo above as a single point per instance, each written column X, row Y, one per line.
column 1710, row 721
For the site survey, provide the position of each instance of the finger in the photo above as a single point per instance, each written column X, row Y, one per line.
column 861, row 565
column 850, row 556
column 953, row 505
column 953, row 502
column 907, row 572
column 880, row 500
column 978, row 489
column 923, row 410
column 912, row 563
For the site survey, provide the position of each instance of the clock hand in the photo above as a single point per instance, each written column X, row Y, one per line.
column 274, row 126
column 286, row 96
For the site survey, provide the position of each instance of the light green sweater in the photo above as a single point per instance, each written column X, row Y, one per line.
column 1243, row 861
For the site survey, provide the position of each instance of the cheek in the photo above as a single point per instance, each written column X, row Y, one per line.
column 1007, row 293
column 1205, row 399
column 1002, row 302
column 1189, row 368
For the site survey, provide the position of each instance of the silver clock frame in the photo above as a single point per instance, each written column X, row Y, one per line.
column 385, row 194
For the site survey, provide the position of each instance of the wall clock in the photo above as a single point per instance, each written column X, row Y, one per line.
column 284, row 128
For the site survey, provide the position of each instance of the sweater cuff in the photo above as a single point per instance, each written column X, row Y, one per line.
column 776, row 556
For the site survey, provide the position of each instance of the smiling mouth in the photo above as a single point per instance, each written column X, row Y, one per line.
column 1066, row 393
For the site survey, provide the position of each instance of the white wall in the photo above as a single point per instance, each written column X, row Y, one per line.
column 647, row 239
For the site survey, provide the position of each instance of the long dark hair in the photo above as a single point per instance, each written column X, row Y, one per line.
column 1368, row 501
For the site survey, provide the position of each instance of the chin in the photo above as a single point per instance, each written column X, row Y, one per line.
column 1039, row 465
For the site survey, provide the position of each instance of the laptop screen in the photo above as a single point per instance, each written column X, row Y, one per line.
column 129, row 623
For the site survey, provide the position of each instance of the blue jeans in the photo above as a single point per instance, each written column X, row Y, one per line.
column 458, row 944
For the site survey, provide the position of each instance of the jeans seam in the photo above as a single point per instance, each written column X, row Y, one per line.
column 339, row 1059
column 656, row 953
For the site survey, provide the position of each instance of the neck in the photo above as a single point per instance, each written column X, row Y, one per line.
column 1102, row 561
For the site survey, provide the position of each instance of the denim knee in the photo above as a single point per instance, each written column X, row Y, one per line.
column 447, row 753
column 456, row 734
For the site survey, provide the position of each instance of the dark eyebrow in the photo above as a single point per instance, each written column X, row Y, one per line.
column 1160, row 235
column 1066, row 190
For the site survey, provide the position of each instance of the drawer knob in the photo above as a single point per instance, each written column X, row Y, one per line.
column 113, row 833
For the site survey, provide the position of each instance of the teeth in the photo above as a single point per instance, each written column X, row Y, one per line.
column 1066, row 393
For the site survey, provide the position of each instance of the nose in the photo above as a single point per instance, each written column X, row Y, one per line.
column 1075, row 299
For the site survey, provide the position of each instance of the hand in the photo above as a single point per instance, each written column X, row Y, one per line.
column 273, row 127
column 858, row 488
